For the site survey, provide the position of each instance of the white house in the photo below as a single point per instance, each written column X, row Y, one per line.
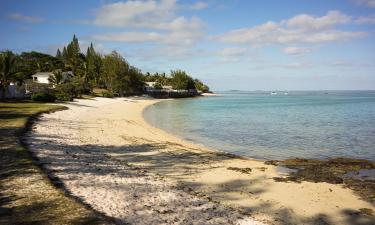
column 42, row 77
column 167, row 87
column 149, row 86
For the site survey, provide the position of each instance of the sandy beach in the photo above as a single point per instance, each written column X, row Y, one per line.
column 104, row 153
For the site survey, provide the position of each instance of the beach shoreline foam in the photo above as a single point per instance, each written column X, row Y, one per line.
column 105, row 153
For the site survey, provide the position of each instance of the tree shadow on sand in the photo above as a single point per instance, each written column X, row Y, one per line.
column 165, row 160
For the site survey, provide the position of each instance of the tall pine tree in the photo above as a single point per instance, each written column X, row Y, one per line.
column 64, row 56
column 94, row 63
column 58, row 54
column 73, row 54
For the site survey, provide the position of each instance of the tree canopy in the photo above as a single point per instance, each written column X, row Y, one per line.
column 88, row 71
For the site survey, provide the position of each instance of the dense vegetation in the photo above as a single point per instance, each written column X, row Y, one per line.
column 77, row 73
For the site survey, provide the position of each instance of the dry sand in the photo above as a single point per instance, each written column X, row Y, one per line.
column 104, row 153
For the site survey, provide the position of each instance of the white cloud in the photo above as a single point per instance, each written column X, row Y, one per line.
column 156, row 16
column 181, row 31
column 232, row 52
column 199, row 6
column 166, row 54
column 231, row 55
column 297, row 65
column 24, row 18
column 366, row 19
column 304, row 21
column 141, row 14
column 296, row 30
column 296, row 50
column 129, row 36
column 368, row 3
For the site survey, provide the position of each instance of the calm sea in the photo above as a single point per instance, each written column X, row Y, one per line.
column 315, row 124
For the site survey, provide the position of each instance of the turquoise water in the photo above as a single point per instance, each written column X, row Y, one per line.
column 259, row 125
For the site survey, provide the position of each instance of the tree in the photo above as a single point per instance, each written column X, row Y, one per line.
column 181, row 81
column 119, row 77
column 64, row 55
column 135, row 84
column 57, row 78
column 200, row 86
column 158, row 85
column 58, row 54
column 7, row 70
column 94, row 64
column 113, row 71
column 73, row 55
column 32, row 62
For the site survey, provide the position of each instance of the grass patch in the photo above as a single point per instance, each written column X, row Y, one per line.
column 332, row 171
column 27, row 196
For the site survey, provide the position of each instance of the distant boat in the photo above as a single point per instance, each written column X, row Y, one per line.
column 286, row 93
column 273, row 93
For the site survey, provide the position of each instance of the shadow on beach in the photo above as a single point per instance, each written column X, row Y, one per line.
column 169, row 160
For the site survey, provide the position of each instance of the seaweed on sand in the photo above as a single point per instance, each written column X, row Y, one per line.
column 332, row 171
column 241, row 170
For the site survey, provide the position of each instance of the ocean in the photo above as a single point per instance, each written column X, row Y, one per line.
column 261, row 125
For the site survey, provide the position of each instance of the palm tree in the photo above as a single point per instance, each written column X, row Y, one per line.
column 7, row 70
column 57, row 78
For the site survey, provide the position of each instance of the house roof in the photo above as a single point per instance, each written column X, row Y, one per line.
column 43, row 74
column 150, row 84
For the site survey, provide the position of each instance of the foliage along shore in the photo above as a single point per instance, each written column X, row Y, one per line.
column 76, row 74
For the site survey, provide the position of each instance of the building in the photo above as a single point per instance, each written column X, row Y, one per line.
column 149, row 86
column 42, row 77
column 13, row 91
column 167, row 87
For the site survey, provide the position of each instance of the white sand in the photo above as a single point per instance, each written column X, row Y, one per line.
column 75, row 146
column 106, row 154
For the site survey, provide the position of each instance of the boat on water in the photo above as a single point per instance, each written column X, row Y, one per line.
column 273, row 93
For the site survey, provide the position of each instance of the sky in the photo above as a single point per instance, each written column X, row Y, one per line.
column 230, row 45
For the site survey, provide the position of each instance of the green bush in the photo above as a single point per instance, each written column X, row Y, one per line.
column 158, row 86
column 107, row 94
column 61, row 96
column 43, row 97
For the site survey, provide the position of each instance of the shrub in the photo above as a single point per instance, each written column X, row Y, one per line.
column 43, row 97
column 34, row 87
column 61, row 96
column 158, row 86
column 107, row 94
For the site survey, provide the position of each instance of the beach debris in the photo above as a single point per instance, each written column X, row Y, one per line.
column 246, row 170
column 284, row 171
column 333, row 171
column 272, row 162
column 262, row 168
column 363, row 174
column 366, row 211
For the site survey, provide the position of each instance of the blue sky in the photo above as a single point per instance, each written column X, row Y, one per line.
column 247, row 45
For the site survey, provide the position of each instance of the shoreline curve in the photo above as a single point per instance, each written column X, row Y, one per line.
column 107, row 154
